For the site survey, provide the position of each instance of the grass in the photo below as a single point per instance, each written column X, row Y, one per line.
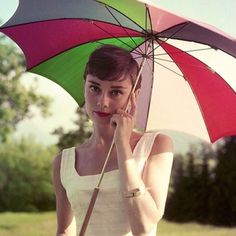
column 192, row 229
column 44, row 224
column 27, row 224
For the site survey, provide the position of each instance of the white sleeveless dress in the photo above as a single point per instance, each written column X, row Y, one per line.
column 109, row 214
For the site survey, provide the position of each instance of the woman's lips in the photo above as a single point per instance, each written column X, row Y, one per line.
column 102, row 114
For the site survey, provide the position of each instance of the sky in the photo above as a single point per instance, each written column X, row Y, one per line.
column 220, row 13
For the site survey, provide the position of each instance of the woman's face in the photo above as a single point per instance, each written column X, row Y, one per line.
column 103, row 98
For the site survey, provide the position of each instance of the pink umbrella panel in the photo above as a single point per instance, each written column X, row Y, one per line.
column 58, row 40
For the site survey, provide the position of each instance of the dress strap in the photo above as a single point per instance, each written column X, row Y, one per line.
column 67, row 164
column 143, row 150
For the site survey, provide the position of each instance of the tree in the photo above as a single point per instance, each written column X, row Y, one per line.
column 205, row 179
column 176, row 198
column 74, row 137
column 192, row 183
column 15, row 100
column 25, row 176
column 223, row 200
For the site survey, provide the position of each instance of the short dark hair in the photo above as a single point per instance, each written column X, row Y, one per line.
column 110, row 62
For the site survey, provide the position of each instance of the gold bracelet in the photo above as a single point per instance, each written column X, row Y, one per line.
column 135, row 192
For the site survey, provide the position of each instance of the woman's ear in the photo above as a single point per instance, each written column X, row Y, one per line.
column 137, row 92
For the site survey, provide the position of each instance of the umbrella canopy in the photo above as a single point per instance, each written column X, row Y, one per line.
column 58, row 36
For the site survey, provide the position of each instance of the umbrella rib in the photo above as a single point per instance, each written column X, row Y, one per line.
column 121, row 14
column 159, row 44
column 192, row 50
column 116, row 38
column 145, row 30
column 124, row 28
column 168, row 69
column 140, row 56
column 189, row 65
column 150, row 65
column 147, row 14
column 120, row 24
column 147, row 35
column 171, row 61
column 152, row 76
column 146, row 61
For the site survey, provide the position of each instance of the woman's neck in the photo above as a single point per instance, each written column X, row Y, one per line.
column 102, row 136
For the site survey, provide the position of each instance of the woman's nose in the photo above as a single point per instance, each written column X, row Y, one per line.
column 103, row 101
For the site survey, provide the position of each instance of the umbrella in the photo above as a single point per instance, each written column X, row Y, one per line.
column 58, row 40
column 58, row 36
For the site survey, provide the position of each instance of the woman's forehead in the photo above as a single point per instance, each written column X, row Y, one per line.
column 124, row 81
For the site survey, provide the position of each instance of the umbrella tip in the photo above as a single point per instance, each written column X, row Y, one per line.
column 144, row 55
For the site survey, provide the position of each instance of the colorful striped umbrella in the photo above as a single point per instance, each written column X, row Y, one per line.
column 57, row 37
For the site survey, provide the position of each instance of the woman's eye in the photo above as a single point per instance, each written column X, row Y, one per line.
column 94, row 88
column 116, row 92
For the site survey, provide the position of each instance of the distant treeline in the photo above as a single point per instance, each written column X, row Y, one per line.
column 203, row 186
column 25, row 177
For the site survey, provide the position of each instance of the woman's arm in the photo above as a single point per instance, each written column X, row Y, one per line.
column 65, row 218
column 146, row 210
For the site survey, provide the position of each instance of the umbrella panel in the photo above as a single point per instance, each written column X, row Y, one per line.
column 172, row 105
column 67, row 68
column 35, row 11
column 218, row 108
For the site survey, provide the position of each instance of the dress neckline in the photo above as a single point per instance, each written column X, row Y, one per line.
column 106, row 172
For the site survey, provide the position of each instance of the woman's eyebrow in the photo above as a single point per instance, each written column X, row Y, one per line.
column 113, row 86
column 93, row 82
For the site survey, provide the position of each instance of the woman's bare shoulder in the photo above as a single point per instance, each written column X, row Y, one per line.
column 162, row 143
column 57, row 159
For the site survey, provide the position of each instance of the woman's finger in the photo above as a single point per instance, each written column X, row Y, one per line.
column 133, row 105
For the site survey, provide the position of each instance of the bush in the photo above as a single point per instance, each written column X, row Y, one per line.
column 25, row 176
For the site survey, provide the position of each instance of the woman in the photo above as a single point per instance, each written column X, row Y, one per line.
column 134, row 188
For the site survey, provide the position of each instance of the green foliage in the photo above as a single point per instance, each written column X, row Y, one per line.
column 204, row 192
column 186, row 181
column 25, row 176
column 223, row 198
column 202, row 207
column 176, row 197
column 184, row 203
column 75, row 137
column 15, row 99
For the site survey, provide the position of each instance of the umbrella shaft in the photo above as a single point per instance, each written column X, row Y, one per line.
column 89, row 211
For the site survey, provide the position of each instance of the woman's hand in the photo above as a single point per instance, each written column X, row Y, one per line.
column 124, row 122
